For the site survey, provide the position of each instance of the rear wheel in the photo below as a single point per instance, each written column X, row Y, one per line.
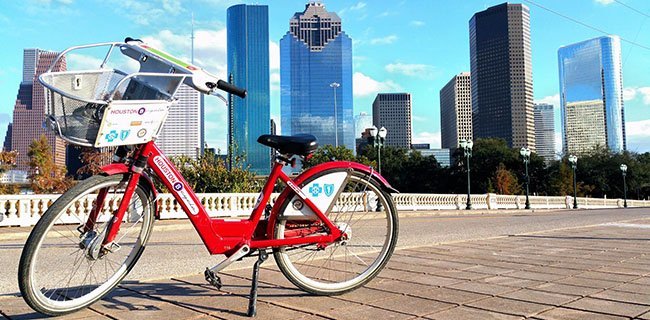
column 365, row 213
column 62, row 269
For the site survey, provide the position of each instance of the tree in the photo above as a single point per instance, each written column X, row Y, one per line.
column 209, row 174
column 328, row 153
column 7, row 162
column 93, row 159
column 506, row 181
column 46, row 176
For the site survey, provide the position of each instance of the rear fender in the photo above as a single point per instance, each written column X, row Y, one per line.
column 121, row 168
column 317, row 169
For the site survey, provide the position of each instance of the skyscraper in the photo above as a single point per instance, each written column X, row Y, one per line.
column 31, row 107
column 591, row 94
column 6, row 146
column 316, row 77
column 456, row 110
column 502, row 77
column 181, row 132
column 393, row 111
column 361, row 122
column 545, row 131
column 248, row 67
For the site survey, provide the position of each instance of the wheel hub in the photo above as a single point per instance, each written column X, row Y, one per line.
column 346, row 232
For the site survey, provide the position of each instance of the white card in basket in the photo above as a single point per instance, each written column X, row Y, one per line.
column 127, row 123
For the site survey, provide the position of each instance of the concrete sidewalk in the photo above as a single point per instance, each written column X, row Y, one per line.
column 598, row 272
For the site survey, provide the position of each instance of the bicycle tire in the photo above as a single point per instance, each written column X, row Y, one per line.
column 328, row 272
column 36, row 252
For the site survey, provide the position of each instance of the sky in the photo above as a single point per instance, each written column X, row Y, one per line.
column 413, row 46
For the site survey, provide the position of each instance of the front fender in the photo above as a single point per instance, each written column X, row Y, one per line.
column 121, row 168
column 319, row 168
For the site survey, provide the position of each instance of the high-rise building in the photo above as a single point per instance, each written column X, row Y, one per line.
column 181, row 132
column 316, row 77
column 393, row 112
column 545, row 131
column 6, row 146
column 362, row 121
column 248, row 67
column 591, row 95
column 31, row 107
column 456, row 110
column 502, row 76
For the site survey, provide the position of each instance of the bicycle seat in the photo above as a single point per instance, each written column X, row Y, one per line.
column 300, row 144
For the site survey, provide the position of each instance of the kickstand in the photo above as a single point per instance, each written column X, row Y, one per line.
column 252, row 302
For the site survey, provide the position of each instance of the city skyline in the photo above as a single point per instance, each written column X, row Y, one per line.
column 385, row 59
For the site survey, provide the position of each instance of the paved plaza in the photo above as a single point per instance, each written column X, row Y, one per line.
column 591, row 272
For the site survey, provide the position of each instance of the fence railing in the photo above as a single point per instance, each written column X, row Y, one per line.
column 26, row 210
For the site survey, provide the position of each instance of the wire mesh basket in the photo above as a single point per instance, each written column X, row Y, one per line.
column 78, row 102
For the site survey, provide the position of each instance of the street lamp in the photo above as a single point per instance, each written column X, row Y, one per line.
column 624, row 172
column 378, row 139
column 467, row 145
column 573, row 160
column 335, row 85
column 525, row 154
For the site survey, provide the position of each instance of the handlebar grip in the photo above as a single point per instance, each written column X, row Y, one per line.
column 230, row 88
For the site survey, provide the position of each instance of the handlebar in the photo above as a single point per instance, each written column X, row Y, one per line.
column 230, row 88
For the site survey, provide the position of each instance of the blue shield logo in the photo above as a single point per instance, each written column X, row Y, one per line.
column 124, row 134
column 329, row 189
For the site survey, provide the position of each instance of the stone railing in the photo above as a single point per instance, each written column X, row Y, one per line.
column 26, row 210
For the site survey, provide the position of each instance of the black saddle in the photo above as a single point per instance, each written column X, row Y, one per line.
column 300, row 144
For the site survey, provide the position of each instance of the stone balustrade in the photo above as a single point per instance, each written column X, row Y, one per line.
column 26, row 210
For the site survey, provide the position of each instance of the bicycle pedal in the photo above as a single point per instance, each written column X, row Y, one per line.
column 212, row 278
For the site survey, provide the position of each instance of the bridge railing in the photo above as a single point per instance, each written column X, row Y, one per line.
column 26, row 210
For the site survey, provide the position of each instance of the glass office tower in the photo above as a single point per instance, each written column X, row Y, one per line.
column 248, row 67
column 316, row 77
column 591, row 94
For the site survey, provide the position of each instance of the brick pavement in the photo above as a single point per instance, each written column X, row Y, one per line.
column 600, row 272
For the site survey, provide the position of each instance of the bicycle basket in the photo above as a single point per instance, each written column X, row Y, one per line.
column 103, row 107
column 77, row 102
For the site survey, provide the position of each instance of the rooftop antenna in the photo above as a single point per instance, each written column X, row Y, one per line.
column 192, row 38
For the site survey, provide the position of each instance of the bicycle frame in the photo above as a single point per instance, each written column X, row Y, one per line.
column 220, row 236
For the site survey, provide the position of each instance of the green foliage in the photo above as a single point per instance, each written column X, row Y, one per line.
column 208, row 174
column 45, row 175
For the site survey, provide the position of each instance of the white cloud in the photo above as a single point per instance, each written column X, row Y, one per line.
column 275, row 81
column 417, row 23
column 552, row 100
column 146, row 12
column 274, row 55
column 358, row 6
column 432, row 138
column 638, row 135
column 604, row 2
column 631, row 93
column 385, row 40
column 209, row 48
column 423, row 71
column 365, row 85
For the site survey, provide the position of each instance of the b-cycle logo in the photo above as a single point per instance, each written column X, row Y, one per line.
column 176, row 184
column 141, row 111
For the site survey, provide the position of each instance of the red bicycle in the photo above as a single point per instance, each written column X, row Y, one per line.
column 331, row 230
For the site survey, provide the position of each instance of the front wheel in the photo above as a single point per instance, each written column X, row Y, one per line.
column 367, row 216
column 63, row 269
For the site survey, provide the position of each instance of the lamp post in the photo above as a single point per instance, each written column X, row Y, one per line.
column 378, row 139
column 335, row 85
column 573, row 160
column 467, row 145
column 624, row 172
column 525, row 154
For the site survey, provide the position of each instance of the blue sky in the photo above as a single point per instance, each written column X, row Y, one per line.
column 412, row 46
